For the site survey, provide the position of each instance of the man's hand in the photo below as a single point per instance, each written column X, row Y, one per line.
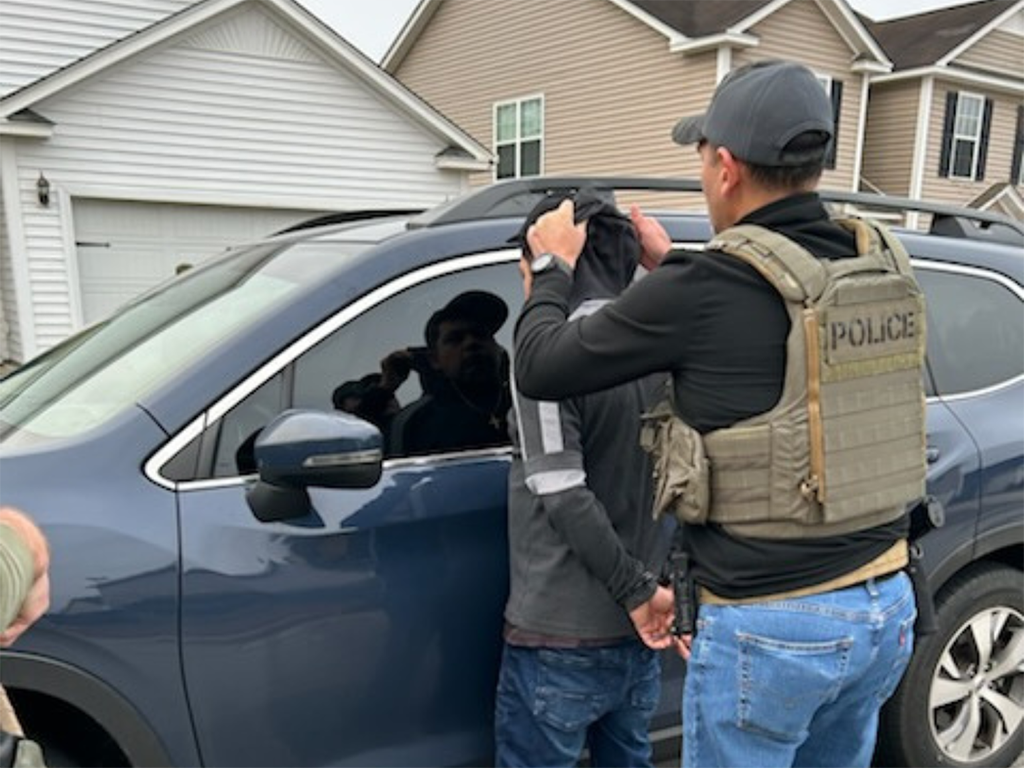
column 555, row 232
column 37, row 601
column 683, row 645
column 653, row 619
column 395, row 369
column 654, row 240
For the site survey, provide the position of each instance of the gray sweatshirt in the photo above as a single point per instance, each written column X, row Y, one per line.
column 582, row 540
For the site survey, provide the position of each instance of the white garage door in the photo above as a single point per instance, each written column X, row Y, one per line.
column 125, row 248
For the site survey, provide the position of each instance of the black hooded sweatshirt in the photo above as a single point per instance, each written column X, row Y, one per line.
column 582, row 541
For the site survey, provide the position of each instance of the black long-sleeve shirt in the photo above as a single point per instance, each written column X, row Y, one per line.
column 720, row 329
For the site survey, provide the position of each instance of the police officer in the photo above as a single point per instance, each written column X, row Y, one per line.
column 805, row 622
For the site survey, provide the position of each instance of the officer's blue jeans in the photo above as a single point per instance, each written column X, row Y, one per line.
column 796, row 682
column 552, row 702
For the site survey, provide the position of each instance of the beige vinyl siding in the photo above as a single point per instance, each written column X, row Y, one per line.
column 612, row 91
column 889, row 136
column 1000, row 149
column 1000, row 52
column 801, row 32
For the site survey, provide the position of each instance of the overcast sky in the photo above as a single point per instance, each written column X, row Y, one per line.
column 371, row 25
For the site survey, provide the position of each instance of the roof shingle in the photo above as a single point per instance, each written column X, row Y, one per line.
column 924, row 38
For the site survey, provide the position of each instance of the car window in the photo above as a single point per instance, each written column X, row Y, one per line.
column 975, row 333
column 94, row 376
column 448, row 400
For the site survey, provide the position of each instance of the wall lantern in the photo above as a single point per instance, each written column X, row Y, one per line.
column 43, row 190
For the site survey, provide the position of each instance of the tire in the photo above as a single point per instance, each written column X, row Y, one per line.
column 960, row 703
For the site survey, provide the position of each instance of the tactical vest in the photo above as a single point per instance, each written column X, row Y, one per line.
column 844, row 448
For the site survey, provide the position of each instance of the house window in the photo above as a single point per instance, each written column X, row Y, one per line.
column 965, row 136
column 834, row 89
column 519, row 137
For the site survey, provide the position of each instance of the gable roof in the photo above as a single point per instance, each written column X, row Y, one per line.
column 700, row 18
column 687, row 25
column 468, row 153
column 935, row 37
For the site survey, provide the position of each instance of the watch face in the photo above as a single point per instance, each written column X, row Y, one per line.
column 541, row 263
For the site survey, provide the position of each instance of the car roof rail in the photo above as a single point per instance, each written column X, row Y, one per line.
column 516, row 197
column 947, row 220
column 345, row 217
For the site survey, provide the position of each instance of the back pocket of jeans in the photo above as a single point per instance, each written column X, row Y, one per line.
column 783, row 683
column 570, row 692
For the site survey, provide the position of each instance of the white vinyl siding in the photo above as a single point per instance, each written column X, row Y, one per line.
column 40, row 36
column 242, row 114
column 963, row 162
column 7, row 296
column 519, row 138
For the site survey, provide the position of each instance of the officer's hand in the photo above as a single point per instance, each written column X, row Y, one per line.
column 654, row 240
column 653, row 620
column 555, row 232
column 524, row 270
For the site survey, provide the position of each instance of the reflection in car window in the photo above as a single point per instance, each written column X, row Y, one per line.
column 975, row 334
column 344, row 371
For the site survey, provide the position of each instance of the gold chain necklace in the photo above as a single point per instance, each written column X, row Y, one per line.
column 493, row 418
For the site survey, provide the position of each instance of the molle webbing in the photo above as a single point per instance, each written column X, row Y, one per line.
column 843, row 449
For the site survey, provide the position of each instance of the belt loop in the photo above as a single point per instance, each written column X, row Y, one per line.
column 872, row 587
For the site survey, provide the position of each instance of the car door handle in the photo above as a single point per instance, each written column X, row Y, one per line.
column 931, row 454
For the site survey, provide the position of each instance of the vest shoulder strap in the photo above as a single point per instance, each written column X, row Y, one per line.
column 796, row 273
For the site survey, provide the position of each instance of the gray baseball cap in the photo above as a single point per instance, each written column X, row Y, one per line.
column 759, row 109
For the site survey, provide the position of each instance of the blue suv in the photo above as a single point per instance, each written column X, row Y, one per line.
column 343, row 606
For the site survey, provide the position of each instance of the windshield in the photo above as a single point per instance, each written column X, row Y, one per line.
column 99, row 373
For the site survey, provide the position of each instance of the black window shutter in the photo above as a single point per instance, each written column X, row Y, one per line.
column 947, row 134
column 837, row 105
column 986, row 129
column 1018, row 147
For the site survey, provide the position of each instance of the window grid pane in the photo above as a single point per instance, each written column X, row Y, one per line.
column 531, row 119
column 506, row 161
column 506, row 118
column 963, row 159
column 530, row 159
column 968, row 117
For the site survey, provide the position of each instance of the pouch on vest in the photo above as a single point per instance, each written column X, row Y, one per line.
column 679, row 466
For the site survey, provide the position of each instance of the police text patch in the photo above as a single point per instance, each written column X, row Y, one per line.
column 880, row 329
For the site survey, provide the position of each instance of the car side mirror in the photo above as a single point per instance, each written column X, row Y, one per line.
column 304, row 448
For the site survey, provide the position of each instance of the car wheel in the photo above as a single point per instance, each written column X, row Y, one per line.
column 961, row 702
